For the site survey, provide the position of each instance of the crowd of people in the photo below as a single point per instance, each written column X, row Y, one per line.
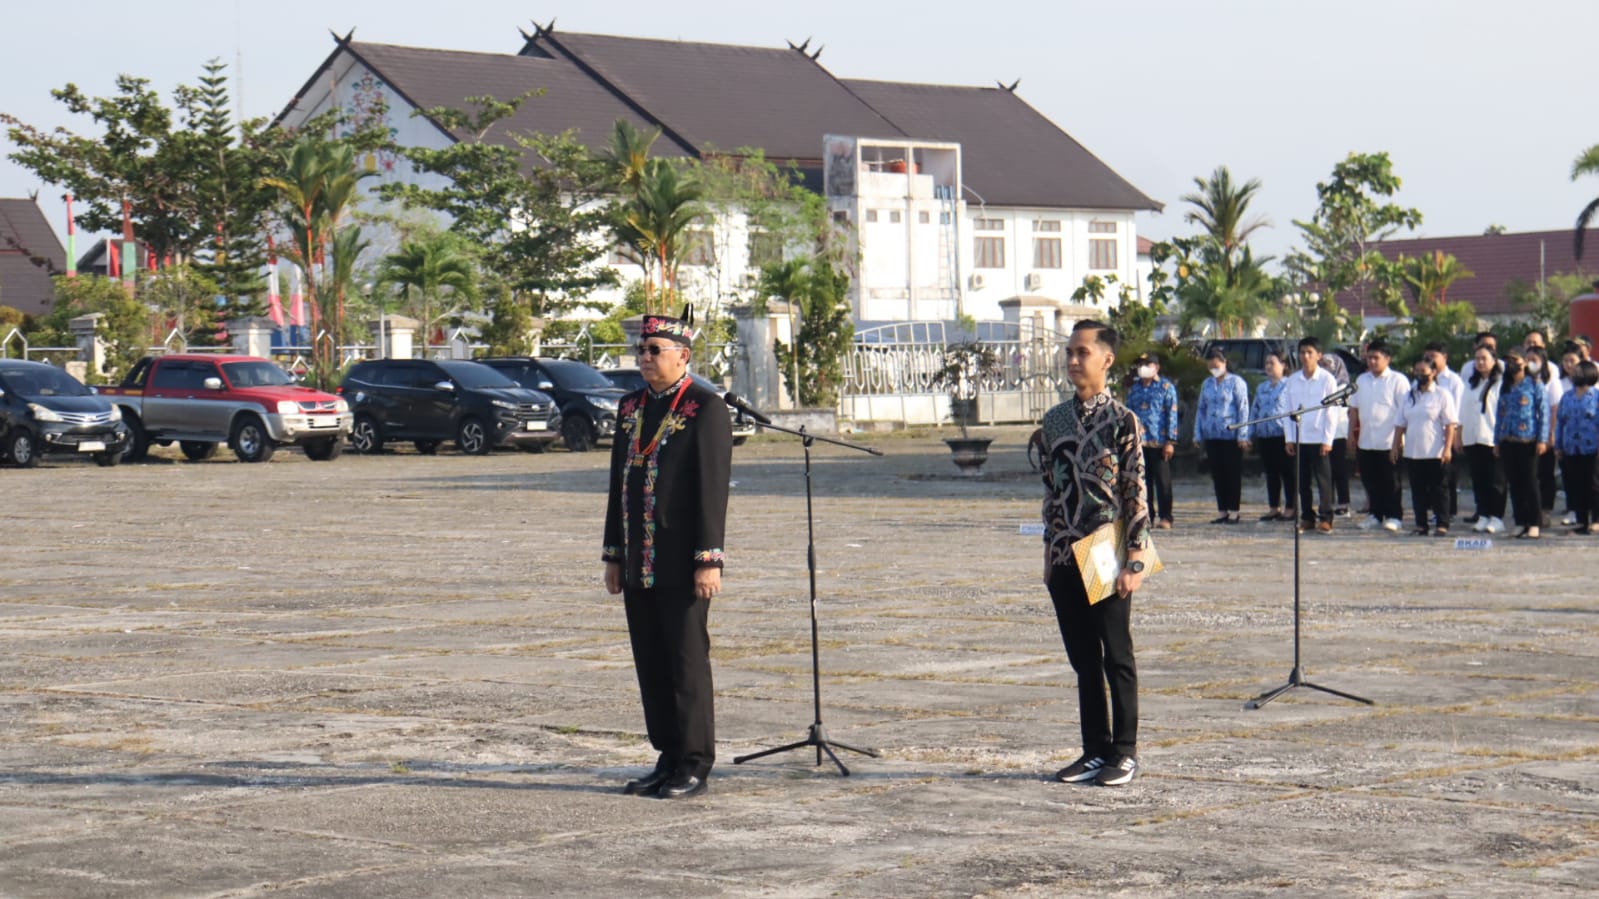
column 1523, row 423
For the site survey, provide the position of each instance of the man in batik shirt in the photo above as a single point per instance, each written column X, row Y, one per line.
column 1094, row 476
column 664, row 524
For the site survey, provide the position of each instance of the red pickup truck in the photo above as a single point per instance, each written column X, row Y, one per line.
column 249, row 403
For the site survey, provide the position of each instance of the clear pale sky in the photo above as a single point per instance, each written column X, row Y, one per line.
column 1482, row 105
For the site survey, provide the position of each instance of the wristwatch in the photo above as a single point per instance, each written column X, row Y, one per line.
column 1136, row 566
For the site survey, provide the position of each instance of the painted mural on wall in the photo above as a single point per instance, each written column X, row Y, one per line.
column 367, row 106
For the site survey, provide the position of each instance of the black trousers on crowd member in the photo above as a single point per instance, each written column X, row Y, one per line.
column 1157, row 474
column 1099, row 645
column 1546, row 481
column 1339, row 465
column 1487, row 480
column 1427, row 485
column 1452, row 483
column 1314, row 466
column 1581, row 474
column 1520, row 461
column 1226, row 473
column 1279, row 472
column 1381, row 477
column 672, row 654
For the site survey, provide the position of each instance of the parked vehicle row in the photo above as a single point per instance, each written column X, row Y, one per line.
column 203, row 401
column 631, row 379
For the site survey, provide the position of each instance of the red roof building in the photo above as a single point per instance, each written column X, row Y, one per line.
column 1497, row 262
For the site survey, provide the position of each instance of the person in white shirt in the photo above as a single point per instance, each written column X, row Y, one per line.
column 1479, row 411
column 1483, row 339
column 1438, row 354
column 1310, row 439
column 1425, row 437
column 1373, row 417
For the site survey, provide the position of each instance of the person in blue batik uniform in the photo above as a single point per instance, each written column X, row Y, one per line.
column 1269, row 442
column 1153, row 399
column 1223, row 401
column 1521, row 435
column 1577, row 442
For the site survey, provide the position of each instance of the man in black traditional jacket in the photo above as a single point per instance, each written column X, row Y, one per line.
column 664, row 525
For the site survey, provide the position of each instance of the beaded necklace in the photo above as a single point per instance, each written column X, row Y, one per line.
column 636, row 455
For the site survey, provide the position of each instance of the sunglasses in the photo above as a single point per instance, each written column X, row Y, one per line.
column 647, row 349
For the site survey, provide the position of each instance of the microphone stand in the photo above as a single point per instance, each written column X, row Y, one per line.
column 1296, row 677
column 817, row 734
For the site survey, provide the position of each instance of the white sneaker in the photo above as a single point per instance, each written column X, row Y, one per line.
column 1391, row 525
column 1482, row 523
column 1371, row 522
column 1496, row 526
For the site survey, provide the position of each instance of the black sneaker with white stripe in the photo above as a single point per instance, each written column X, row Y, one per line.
column 1114, row 774
column 1080, row 771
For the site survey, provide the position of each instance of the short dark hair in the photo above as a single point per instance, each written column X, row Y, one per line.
column 1311, row 342
column 1437, row 346
column 1486, row 335
column 1586, row 374
column 1380, row 346
column 1538, row 331
column 1104, row 334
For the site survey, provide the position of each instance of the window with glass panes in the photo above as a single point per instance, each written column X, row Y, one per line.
column 1102, row 249
column 1046, row 250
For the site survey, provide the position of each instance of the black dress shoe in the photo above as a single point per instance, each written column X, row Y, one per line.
column 1221, row 519
column 647, row 785
column 682, row 786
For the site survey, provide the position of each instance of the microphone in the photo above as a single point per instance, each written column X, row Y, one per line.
column 734, row 402
column 1340, row 397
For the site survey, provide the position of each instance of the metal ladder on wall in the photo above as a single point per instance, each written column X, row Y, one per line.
column 948, row 246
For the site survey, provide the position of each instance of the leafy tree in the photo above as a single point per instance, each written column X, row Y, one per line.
column 1222, row 210
column 1549, row 305
column 1339, row 257
column 1586, row 164
column 125, row 328
column 820, row 293
column 532, row 203
column 428, row 272
column 185, row 300
column 509, row 332
column 1429, row 277
column 656, row 225
column 1218, row 279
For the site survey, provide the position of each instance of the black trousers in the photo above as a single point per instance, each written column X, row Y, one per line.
column 1099, row 645
column 1546, row 480
column 1314, row 466
column 1452, row 484
column 1487, row 480
column 1157, row 474
column 1381, row 477
column 1339, row 464
column 1279, row 471
column 1581, row 474
column 1226, row 473
column 1428, row 482
column 672, row 655
column 1520, row 461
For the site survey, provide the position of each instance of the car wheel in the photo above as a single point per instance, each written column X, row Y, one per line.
column 427, row 447
column 325, row 450
column 251, row 443
column 739, row 441
column 197, row 450
column 578, row 434
column 366, row 436
column 21, row 447
column 108, row 459
column 472, row 438
column 138, row 445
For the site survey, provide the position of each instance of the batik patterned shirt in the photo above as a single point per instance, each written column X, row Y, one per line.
column 1264, row 406
column 1093, row 474
column 1577, row 431
column 1523, row 412
column 1222, row 401
column 1155, row 404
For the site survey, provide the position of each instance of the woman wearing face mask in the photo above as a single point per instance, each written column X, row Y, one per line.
column 1570, row 357
column 1542, row 371
column 1223, row 401
column 1424, row 437
column 1479, row 410
column 1521, row 435
column 1154, row 400
column 1268, row 439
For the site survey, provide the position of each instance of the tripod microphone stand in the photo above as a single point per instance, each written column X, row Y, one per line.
column 1296, row 677
column 817, row 734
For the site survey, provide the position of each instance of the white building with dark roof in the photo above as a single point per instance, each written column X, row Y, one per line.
column 966, row 201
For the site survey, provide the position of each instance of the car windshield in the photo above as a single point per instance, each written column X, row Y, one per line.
column 705, row 382
column 256, row 374
column 627, row 380
column 571, row 375
column 42, row 381
column 475, row 375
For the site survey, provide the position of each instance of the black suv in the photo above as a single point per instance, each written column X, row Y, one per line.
column 587, row 399
column 429, row 402
column 45, row 410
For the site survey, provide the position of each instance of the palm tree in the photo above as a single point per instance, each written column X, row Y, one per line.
column 1222, row 209
column 430, row 266
column 1586, row 164
column 1429, row 277
column 628, row 153
column 655, row 224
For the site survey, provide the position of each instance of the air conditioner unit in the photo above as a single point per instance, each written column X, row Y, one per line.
column 976, row 281
column 1034, row 281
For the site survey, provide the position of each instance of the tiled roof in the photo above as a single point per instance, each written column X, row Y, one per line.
column 25, row 237
column 1011, row 155
column 1495, row 261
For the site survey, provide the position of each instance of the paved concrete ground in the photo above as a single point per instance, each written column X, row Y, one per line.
column 399, row 676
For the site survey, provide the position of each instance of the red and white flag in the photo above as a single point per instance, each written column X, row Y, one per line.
column 296, row 298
